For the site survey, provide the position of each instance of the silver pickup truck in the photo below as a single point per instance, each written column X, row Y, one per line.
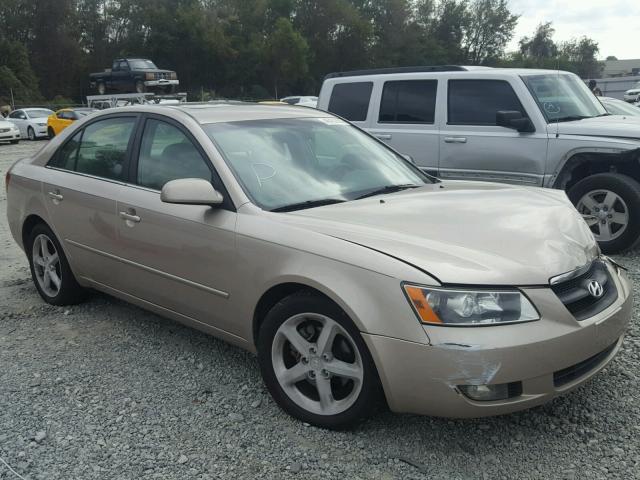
column 531, row 127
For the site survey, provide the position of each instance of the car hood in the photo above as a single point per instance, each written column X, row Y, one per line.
column 6, row 124
column 38, row 120
column 465, row 232
column 620, row 126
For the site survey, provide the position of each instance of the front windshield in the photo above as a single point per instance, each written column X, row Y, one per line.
column 284, row 162
column 38, row 113
column 618, row 107
column 563, row 97
column 142, row 65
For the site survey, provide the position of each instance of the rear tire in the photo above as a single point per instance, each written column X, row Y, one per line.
column 612, row 203
column 50, row 269
column 332, row 383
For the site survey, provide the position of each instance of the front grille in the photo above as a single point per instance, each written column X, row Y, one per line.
column 569, row 374
column 574, row 293
column 4, row 130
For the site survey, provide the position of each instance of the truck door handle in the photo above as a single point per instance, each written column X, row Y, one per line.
column 383, row 136
column 56, row 196
column 131, row 217
column 455, row 139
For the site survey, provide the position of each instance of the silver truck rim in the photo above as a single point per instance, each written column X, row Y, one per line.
column 605, row 212
column 46, row 265
column 317, row 364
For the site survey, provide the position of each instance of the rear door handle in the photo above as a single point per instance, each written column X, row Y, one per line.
column 56, row 196
column 455, row 139
column 383, row 136
column 131, row 217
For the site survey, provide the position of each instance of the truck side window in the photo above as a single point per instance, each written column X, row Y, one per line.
column 475, row 102
column 408, row 101
column 351, row 100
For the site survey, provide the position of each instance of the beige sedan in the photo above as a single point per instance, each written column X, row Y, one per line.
column 355, row 277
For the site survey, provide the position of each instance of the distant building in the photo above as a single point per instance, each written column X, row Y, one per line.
column 621, row 68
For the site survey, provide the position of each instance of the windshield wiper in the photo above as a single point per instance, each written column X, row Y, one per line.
column 387, row 189
column 307, row 204
column 569, row 118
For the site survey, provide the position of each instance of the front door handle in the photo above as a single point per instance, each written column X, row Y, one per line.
column 56, row 196
column 383, row 136
column 455, row 139
column 130, row 217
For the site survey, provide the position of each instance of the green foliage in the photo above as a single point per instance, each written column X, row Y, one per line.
column 260, row 48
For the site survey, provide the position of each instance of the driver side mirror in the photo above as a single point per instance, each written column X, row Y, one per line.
column 515, row 120
column 190, row 191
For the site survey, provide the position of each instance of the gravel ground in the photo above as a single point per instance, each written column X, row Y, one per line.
column 108, row 391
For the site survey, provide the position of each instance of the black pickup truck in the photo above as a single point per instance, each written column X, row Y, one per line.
column 136, row 75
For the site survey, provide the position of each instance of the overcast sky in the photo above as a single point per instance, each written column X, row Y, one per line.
column 614, row 24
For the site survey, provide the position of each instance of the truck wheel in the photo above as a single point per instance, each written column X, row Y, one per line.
column 140, row 87
column 51, row 132
column 610, row 203
column 102, row 89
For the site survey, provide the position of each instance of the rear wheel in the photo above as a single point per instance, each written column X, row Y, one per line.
column 315, row 363
column 51, row 132
column 610, row 204
column 50, row 269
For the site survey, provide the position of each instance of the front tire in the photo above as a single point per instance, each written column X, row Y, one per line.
column 102, row 89
column 140, row 87
column 51, row 132
column 31, row 133
column 610, row 203
column 315, row 364
column 50, row 269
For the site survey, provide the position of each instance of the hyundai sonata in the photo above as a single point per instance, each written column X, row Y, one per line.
column 354, row 276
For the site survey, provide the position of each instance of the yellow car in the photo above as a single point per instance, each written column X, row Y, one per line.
column 64, row 117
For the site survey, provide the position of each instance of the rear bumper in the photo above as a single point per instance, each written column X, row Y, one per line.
column 548, row 357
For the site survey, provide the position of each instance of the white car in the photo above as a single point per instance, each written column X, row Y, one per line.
column 633, row 94
column 618, row 107
column 301, row 101
column 32, row 122
column 8, row 131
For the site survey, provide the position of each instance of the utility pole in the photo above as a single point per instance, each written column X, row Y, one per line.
column 13, row 105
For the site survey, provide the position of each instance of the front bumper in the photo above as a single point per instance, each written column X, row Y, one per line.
column 423, row 379
column 161, row 83
column 10, row 135
column 40, row 131
column 631, row 97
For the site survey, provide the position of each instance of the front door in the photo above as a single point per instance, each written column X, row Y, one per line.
column 473, row 147
column 85, row 177
column 176, row 256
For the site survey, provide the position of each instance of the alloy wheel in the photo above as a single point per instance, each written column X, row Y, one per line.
column 46, row 265
column 317, row 364
column 605, row 212
column 31, row 134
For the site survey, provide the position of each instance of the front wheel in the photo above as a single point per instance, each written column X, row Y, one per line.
column 610, row 204
column 50, row 269
column 140, row 87
column 31, row 133
column 51, row 132
column 315, row 363
column 102, row 88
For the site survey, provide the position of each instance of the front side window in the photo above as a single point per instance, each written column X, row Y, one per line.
column 476, row 102
column 103, row 147
column 67, row 155
column 19, row 114
column 167, row 154
column 408, row 101
column 285, row 162
column 141, row 65
column 351, row 100
column 563, row 97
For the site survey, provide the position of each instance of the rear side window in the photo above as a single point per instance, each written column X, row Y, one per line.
column 408, row 101
column 167, row 154
column 99, row 150
column 351, row 100
column 476, row 102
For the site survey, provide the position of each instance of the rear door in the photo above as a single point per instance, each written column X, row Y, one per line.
column 85, row 177
column 178, row 257
column 405, row 119
column 473, row 147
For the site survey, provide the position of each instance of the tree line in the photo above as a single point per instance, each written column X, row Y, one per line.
column 260, row 48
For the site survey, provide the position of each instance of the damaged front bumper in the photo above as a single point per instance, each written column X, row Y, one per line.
column 545, row 358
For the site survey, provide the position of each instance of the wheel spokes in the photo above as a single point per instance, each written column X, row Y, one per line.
column 326, row 337
column 342, row 369
column 295, row 374
column 323, row 384
column 294, row 337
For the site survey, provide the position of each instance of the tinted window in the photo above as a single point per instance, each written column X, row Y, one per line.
column 410, row 101
column 351, row 100
column 17, row 114
column 103, row 147
column 475, row 102
column 167, row 154
column 66, row 156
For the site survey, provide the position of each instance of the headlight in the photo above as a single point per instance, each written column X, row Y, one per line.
column 469, row 307
column 42, row 124
column 149, row 76
column 173, row 76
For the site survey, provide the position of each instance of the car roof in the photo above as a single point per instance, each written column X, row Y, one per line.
column 444, row 69
column 235, row 112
